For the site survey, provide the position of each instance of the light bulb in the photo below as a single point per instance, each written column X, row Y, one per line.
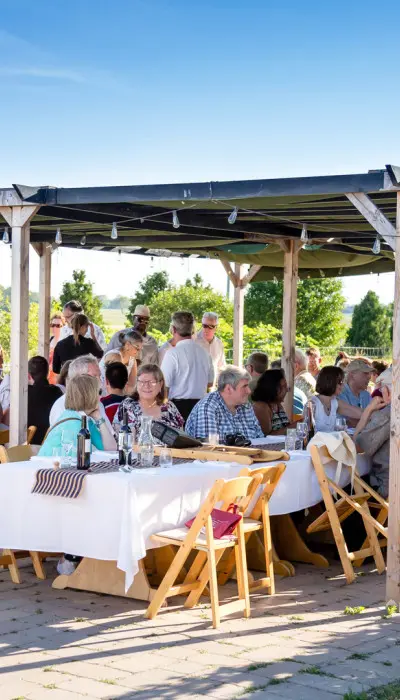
column 321, row 273
column 330, row 240
column 6, row 235
column 114, row 231
column 58, row 237
column 233, row 216
column 83, row 240
column 175, row 220
column 376, row 248
column 304, row 234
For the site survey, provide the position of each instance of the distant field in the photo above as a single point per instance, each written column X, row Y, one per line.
column 114, row 318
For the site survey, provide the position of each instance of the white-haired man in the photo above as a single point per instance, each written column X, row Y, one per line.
column 303, row 379
column 141, row 320
column 227, row 410
column 85, row 364
column 210, row 342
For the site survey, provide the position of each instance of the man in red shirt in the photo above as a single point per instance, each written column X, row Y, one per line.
column 116, row 379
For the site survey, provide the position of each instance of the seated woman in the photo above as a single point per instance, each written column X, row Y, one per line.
column 130, row 345
column 326, row 404
column 82, row 395
column 76, row 344
column 267, row 400
column 150, row 399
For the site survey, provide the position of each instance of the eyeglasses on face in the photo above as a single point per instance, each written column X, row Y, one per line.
column 55, row 325
column 149, row 382
column 207, row 325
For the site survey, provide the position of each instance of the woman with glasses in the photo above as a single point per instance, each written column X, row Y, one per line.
column 56, row 324
column 128, row 352
column 326, row 404
column 150, row 399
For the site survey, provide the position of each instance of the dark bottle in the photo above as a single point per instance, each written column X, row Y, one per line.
column 310, row 423
column 124, row 440
column 84, row 446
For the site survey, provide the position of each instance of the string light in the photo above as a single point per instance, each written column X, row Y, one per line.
column 58, row 238
column 321, row 273
column 175, row 220
column 6, row 235
column 304, row 234
column 330, row 240
column 114, row 232
column 83, row 240
column 233, row 216
column 376, row 248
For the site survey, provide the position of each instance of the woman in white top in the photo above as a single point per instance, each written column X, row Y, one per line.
column 128, row 352
column 326, row 404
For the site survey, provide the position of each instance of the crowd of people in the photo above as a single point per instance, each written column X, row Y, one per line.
column 186, row 383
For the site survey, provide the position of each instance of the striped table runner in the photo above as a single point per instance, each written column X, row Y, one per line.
column 67, row 483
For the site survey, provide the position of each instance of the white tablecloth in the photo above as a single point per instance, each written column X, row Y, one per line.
column 116, row 513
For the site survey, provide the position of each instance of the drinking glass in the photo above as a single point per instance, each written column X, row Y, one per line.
column 146, row 455
column 301, row 432
column 290, row 439
column 213, row 438
column 340, row 423
column 127, row 448
column 66, row 449
column 165, row 458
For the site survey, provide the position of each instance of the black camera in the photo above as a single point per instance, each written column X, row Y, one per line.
column 236, row 440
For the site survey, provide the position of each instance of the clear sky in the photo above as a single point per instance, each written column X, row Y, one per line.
column 96, row 92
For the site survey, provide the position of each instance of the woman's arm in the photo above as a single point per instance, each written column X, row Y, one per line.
column 131, row 383
column 264, row 416
column 376, row 404
column 345, row 409
column 97, row 350
column 106, row 435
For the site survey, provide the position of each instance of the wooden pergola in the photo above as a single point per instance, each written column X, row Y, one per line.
column 293, row 227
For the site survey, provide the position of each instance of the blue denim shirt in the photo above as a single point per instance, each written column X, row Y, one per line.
column 360, row 401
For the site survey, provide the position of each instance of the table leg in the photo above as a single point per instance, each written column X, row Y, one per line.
column 256, row 557
column 289, row 543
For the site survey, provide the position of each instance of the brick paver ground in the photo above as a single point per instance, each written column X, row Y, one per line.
column 298, row 644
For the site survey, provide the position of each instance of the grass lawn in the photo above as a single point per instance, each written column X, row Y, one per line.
column 114, row 318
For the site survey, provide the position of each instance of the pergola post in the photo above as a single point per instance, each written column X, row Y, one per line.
column 393, row 548
column 18, row 218
column 290, row 278
column 239, row 281
column 44, row 252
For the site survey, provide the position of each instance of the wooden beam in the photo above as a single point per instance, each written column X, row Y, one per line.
column 393, row 545
column 374, row 216
column 250, row 275
column 18, row 218
column 227, row 267
column 44, row 300
column 290, row 278
column 238, row 316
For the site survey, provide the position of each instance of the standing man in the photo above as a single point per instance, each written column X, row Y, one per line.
column 188, row 369
column 141, row 319
column 358, row 376
column 75, row 307
column 209, row 341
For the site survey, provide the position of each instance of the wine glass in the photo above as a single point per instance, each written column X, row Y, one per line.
column 125, row 440
column 340, row 423
column 165, row 458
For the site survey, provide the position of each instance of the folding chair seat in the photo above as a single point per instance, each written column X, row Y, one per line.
column 19, row 453
column 338, row 511
column 5, row 435
column 258, row 521
column 203, row 570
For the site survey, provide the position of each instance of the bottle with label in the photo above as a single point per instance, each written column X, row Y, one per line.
column 84, row 446
column 124, row 441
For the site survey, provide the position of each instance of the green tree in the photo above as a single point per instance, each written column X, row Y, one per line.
column 370, row 324
column 81, row 290
column 319, row 308
column 148, row 289
column 192, row 296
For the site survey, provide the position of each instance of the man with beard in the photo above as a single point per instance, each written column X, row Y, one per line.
column 141, row 318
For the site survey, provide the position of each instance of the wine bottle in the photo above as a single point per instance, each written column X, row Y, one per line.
column 124, row 440
column 310, row 421
column 83, row 446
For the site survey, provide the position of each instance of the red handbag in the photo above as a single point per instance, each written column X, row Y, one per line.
column 223, row 521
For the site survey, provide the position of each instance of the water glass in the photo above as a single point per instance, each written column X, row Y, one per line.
column 165, row 458
column 213, row 438
column 340, row 423
column 290, row 439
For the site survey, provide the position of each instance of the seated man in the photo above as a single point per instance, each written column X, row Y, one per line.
column 116, row 379
column 358, row 375
column 41, row 397
column 303, row 379
column 226, row 410
column 255, row 365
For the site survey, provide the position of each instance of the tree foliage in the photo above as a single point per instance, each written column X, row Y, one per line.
column 370, row 324
column 148, row 289
column 319, row 308
column 81, row 290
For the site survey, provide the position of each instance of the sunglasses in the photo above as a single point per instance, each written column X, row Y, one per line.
column 142, row 319
column 55, row 325
column 207, row 325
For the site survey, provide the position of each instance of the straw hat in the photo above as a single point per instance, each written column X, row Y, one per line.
column 359, row 366
column 142, row 310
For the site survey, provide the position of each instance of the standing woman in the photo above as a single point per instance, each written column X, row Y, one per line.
column 56, row 324
column 128, row 352
column 76, row 344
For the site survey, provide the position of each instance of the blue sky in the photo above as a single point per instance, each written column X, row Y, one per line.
column 143, row 91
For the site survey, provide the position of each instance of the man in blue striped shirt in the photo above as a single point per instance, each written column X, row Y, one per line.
column 226, row 410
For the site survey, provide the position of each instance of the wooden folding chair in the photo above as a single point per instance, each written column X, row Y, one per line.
column 19, row 453
column 258, row 520
column 337, row 511
column 204, row 568
column 4, row 437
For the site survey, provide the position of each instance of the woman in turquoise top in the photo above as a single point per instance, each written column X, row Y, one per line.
column 82, row 396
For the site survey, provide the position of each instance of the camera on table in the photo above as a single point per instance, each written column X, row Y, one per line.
column 236, row 440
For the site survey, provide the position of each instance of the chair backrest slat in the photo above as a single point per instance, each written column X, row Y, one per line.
column 19, row 453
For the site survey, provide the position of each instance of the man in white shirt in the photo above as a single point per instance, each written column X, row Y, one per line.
column 209, row 341
column 141, row 320
column 188, row 369
column 75, row 307
column 85, row 364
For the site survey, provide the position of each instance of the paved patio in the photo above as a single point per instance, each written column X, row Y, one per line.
column 298, row 644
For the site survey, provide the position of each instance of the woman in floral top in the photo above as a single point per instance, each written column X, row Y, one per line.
column 150, row 399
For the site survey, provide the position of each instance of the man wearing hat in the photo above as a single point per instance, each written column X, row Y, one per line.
column 358, row 375
column 141, row 318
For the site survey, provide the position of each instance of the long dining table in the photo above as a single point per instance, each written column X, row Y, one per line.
column 111, row 522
